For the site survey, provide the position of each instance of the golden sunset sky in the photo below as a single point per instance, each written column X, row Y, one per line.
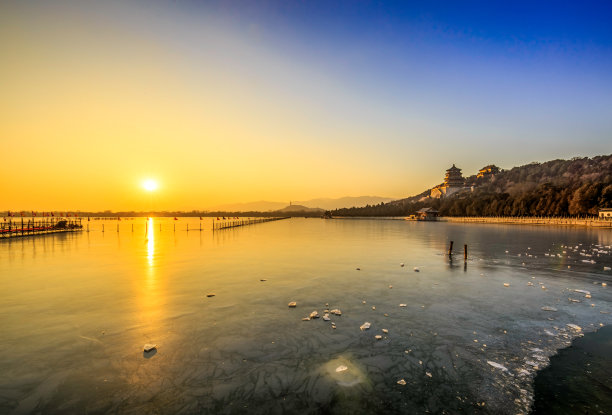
column 225, row 102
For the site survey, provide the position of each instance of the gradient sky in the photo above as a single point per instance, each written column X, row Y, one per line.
column 236, row 101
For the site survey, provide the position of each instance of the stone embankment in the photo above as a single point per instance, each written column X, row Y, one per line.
column 591, row 222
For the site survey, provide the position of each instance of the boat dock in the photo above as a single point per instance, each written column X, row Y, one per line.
column 29, row 227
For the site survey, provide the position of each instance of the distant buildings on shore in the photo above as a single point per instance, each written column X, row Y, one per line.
column 454, row 181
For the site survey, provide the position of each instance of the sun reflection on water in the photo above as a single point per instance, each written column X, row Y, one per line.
column 150, row 242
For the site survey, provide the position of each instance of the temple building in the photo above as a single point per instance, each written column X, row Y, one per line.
column 487, row 171
column 453, row 182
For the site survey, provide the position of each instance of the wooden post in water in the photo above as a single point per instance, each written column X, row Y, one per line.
column 450, row 248
column 465, row 252
column 102, row 227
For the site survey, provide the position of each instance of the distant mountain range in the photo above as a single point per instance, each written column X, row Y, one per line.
column 321, row 203
column 299, row 208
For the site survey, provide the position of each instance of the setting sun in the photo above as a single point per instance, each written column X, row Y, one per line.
column 149, row 185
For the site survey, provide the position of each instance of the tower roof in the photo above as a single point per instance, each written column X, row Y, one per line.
column 454, row 168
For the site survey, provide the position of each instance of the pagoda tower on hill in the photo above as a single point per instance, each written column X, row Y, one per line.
column 453, row 177
column 453, row 182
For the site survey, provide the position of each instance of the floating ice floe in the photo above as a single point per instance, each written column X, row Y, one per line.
column 326, row 317
column 401, row 382
column 364, row 326
column 549, row 333
column 416, row 269
column 428, row 374
column 402, row 264
column 385, row 331
column 582, row 291
column 210, row 294
column 574, row 327
column 607, row 268
column 336, row 312
column 292, row 304
column 548, row 308
column 314, row 314
column 573, row 300
column 530, row 284
column 341, row 368
column 378, row 337
column 506, row 284
column 402, row 305
column 523, row 372
column 149, row 347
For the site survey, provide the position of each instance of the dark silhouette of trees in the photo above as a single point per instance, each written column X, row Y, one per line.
column 576, row 187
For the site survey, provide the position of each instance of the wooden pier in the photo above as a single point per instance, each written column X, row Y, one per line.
column 31, row 226
column 234, row 223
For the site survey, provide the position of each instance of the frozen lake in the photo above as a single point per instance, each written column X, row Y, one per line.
column 76, row 310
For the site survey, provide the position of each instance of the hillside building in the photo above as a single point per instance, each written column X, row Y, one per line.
column 605, row 213
column 487, row 171
column 453, row 182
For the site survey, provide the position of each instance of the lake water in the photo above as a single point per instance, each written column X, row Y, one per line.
column 76, row 310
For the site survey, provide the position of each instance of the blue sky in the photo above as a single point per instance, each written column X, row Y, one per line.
column 316, row 98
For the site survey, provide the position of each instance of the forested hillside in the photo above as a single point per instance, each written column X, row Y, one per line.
column 575, row 187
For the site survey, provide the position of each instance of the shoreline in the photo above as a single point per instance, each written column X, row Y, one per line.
column 503, row 220
column 582, row 222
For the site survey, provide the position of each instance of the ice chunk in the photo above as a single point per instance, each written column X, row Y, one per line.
column 364, row 326
column 416, row 269
column 401, row 382
column 582, row 291
column 378, row 337
column 314, row 314
column 336, row 312
column 607, row 268
column 574, row 327
column 210, row 294
column 506, row 284
column 326, row 317
column 497, row 366
column 149, row 347
column 548, row 308
column 402, row 305
column 385, row 331
column 293, row 304
column 341, row 368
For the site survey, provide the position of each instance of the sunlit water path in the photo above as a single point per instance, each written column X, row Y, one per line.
column 76, row 310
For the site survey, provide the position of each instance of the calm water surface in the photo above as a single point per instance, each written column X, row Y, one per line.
column 76, row 310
